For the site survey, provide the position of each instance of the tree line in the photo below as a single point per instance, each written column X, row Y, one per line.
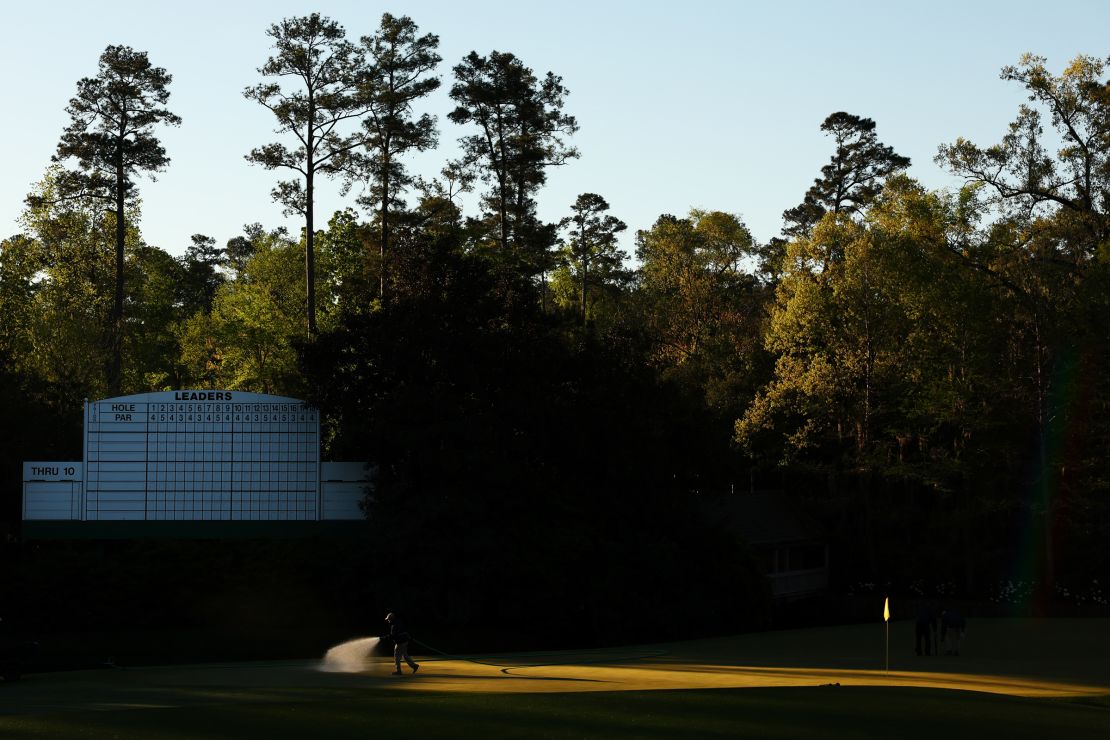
column 924, row 370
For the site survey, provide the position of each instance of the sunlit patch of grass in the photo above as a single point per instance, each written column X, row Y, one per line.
column 806, row 683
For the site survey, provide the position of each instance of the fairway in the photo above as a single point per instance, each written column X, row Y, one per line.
column 1017, row 678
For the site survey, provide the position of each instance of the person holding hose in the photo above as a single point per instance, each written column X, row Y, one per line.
column 401, row 639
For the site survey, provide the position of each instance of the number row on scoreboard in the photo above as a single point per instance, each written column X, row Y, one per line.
column 107, row 409
column 196, row 427
column 223, row 408
column 225, row 418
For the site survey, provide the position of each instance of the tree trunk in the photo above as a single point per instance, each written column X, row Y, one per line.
column 585, row 262
column 310, row 237
column 115, row 360
column 503, row 211
column 502, row 184
column 383, row 241
column 585, row 273
column 1044, row 482
column 309, row 257
column 520, row 186
column 384, row 237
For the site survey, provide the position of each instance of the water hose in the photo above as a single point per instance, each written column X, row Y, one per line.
column 506, row 667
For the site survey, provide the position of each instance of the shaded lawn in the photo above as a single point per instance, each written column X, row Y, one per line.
column 267, row 701
column 811, row 712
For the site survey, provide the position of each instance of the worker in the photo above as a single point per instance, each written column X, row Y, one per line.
column 401, row 639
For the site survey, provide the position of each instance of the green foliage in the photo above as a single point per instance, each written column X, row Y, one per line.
column 111, row 131
column 200, row 277
column 864, row 332
column 1045, row 254
column 153, row 287
column 851, row 180
column 521, row 132
column 1023, row 174
column 351, row 268
column 110, row 134
column 248, row 341
column 591, row 244
column 239, row 249
column 18, row 268
column 313, row 51
column 397, row 74
column 66, row 262
column 931, row 369
column 517, row 453
column 701, row 303
column 60, row 282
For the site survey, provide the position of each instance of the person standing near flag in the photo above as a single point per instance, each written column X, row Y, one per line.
column 952, row 626
column 925, row 629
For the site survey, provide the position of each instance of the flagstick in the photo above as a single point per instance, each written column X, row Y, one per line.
column 886, row 619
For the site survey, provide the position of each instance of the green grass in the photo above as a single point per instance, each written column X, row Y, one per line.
column 289, row 700
column 756, row 713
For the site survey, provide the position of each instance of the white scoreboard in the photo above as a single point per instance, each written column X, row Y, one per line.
column 201, row 455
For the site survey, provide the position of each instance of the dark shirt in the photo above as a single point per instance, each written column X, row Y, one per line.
column 925, row 616
column 953, row 620
column 398, row 633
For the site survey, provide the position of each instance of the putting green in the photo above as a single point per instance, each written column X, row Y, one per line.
column 1020, row 658
column 1014, row 657
column 457, row 676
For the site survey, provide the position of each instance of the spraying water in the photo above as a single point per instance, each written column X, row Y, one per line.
column 350, row 657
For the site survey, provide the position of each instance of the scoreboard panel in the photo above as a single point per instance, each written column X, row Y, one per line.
column 201, row 455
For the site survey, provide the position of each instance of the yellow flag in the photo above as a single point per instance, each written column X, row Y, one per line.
column 886, row 609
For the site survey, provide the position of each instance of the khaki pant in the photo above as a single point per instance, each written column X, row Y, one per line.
column 401, row 652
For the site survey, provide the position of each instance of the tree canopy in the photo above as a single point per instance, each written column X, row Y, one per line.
column 923, row 372
column 851, row 179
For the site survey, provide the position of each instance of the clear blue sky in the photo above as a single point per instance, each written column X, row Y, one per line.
column 688, row 104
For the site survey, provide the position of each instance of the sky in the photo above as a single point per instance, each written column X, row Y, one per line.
column 695, row 104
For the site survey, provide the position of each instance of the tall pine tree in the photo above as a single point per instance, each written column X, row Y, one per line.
column 111, row 136
column 314, row 51
column 521, row 132
column 851, row 179
column 398, row 73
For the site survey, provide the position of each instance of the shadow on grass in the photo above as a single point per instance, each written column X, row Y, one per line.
column 825, row 712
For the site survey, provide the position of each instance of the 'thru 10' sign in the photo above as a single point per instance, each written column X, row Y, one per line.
column 220, row 455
